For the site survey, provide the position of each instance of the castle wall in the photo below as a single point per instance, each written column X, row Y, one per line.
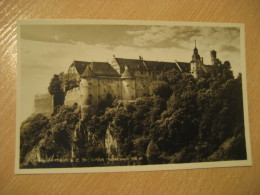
column 109, row 86
column 44, row 104
column 95, row 89
column 72, row 97
column 142, row 83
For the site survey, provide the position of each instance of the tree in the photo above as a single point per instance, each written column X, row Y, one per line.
column 70, row 81
column 32, row 131
column 63, row 124
column 55, row 86
column 153, row 153
column 162, row 89
column 105, row 103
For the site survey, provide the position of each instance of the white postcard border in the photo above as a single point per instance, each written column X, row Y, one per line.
column 161, row 167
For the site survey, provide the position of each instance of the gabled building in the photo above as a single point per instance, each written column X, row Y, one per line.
column 122, row 79
column 126, row 79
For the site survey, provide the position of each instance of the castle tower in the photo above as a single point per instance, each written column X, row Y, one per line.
column 213, row 55
column 193, row 69
column 128, row 85
column 196, row 62
column 195, row 55
column 87, row 91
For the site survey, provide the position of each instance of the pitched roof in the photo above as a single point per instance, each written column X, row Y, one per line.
column 80, row 66
column 162, row 66
column 87, row 72
column 103, row 69
column 159, row 66
column 143, row 65
column 133, row 64
column 185, row 66
column 85, row 69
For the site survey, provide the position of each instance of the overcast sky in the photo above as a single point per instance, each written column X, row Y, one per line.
column 50, row 49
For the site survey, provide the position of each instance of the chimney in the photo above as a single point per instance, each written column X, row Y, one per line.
column 140, row 57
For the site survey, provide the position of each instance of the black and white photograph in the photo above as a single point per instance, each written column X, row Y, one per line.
column 110, row 96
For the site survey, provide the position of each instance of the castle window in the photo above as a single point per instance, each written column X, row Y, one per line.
column 90, row 83
column 90, row 95
column 127, row 85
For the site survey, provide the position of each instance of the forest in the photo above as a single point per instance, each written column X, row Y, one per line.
column 184, row 120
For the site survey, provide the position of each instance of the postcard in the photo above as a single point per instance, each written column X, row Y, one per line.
column 113, row 96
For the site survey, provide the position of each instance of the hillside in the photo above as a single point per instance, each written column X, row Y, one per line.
column 184, row 120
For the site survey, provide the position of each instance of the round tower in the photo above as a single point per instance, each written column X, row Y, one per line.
column 128, row 85
column 87, row 89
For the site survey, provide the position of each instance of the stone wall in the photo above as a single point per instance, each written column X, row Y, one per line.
column 44, row 104
column 143, row 82
column 111, row 86
column 72, row 97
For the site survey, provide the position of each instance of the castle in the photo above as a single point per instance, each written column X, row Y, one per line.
column 121, row 79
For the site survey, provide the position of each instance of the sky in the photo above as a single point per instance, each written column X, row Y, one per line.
column 46, row 50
